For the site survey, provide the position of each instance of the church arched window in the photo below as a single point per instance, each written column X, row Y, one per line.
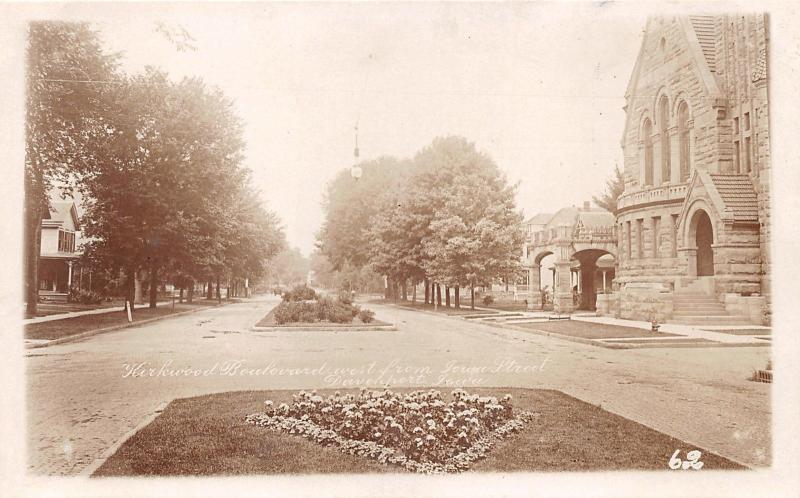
column 683, row 140
column 663, row 121
column 647, row 132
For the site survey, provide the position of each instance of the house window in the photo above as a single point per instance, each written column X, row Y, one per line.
column 656, row 236
column 666, row 149
column 683, row 138
column 647, row 131
column 640, row 238
column 66, row 241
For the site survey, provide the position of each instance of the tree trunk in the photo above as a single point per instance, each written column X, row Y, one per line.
column 458, row 297
column 131, row 285
column 438, row 294
column 33, row 248
column 427, row 291
column 387, row 293
column 414, row 292
column 210, row 290
column 404, row 290
column 153, row 285
column 219, row 291
column 447, row 296
column 190, row 293
column 180, row 299
column 472, row 296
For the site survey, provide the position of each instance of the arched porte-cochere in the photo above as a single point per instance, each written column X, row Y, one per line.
column 704, row 237
column 593, row 274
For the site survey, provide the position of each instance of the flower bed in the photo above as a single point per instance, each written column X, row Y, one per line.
column 418, row 431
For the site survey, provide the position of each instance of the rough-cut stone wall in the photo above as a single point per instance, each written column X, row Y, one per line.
column 717, row 87
column 644, row 304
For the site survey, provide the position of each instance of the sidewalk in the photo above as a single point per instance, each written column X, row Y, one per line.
column 72, row 314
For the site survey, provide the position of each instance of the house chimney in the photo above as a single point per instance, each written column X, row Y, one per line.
column 585, row 205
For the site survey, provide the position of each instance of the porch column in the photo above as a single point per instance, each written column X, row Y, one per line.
column 69, row 275
column 534, row 288
column 562, row 295
column 604, row 281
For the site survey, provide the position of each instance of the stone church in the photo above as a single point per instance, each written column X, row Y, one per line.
column 693, row 223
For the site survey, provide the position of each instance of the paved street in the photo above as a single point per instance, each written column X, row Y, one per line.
column 85, row 396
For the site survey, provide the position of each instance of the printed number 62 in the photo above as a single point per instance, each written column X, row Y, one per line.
column 692, row 461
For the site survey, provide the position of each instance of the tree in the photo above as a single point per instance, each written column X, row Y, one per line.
column 614, row 188
column 67, row 73
column 475, row 232
column 349, row 208
column 169, row 195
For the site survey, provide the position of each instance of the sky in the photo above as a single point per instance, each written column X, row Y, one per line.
column 539, row 87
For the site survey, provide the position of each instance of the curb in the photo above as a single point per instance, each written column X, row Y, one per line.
column 89, row 333
column 98, row 462
column 373, row 328
column 600, row 343
column 594, row 342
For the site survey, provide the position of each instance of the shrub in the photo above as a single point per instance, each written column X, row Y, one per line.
column 300, row 293
column 488, row 299
column 366, row 315
column 345, row 296
column 84, row 297
column 296, row 311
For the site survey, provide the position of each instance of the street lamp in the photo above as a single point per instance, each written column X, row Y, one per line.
column 355, row 170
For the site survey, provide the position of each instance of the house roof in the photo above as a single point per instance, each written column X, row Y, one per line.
column 539, row 219
column 592, row 217
column 62, row 212
column 704, row 29
column 738, row 195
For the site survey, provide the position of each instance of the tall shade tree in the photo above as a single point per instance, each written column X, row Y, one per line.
column 350, row 206
column 67, row 73
column 475, row 232
column 169, row 195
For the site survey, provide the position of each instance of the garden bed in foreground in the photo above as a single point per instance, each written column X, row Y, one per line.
column 268, row 322
column 590, row 330
column 208, row 435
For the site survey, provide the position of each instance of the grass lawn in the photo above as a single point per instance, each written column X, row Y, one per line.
column 464, row 310
column 207, row 435
column 56, row 329
column 589, row 330
column 508, row 306
column 269, row 321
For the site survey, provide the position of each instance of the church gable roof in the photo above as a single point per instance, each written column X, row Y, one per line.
column 704, row 30
column 738, row 195
column 732, row 196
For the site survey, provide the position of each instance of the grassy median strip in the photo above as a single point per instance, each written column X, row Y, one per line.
column 207, row 435
column 57, row 329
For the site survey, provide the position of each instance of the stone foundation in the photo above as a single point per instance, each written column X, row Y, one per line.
column 645, row 302
column 607, row 304
column 749, row 306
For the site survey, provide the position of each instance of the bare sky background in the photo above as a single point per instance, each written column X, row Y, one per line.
column 540, row 89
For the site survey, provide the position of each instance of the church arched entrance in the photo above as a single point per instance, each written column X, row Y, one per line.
column 704, row 237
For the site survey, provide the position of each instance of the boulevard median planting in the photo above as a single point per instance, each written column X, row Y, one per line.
column 302, row 307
